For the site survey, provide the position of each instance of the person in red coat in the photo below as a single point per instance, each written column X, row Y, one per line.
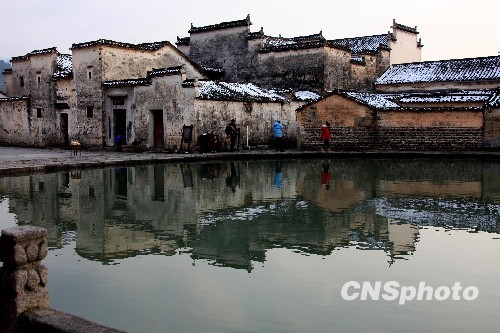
column 326, row 136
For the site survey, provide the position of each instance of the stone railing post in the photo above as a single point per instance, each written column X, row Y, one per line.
column 23, row 279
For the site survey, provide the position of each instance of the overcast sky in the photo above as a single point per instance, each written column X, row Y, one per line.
column 450, row 29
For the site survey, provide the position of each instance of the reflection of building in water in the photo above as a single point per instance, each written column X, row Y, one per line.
column 402, row 237
column 231, row 213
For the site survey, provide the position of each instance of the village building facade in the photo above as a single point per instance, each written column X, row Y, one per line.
column 439, row 105
column 107, row 89
column 159, row 107
column 300, row 63
column 63, row 95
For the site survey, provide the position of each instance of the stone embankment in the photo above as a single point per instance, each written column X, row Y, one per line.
column 15, row 160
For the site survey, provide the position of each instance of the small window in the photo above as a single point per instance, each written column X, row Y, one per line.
column 38, row 79
column 39, row 112
column 90, row 111
column 89, row 72
column 21, row 81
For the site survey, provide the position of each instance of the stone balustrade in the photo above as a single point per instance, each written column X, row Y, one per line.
column 23, row 279
column 24, row 298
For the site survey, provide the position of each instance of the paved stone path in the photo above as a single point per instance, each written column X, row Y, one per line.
column 14, row 160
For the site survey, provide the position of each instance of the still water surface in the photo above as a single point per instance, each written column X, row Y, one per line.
column 253, row 246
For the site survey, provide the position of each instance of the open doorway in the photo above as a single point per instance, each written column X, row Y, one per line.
column 120, row 119
column 64, row 125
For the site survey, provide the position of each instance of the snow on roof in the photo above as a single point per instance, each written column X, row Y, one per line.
column 127, row 83
column 474, row 69
column 183, row 40
column 361, row 45
column 445, row 99
column 222, row 25
column 143, row 46
column 237, row 91
column 11, row 99
column 374, row 100
column 35, row 52
column 277, row 41
column 64, row 66
column 494, row 101
column 277, row 44
column 165, row 71
column 380, row 101
column 306, row 96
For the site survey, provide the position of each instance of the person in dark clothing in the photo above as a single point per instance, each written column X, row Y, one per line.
column 232, row 132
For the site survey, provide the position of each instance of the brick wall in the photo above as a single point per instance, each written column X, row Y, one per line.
column 397, row 138
column 492, row 128
column 355, row 128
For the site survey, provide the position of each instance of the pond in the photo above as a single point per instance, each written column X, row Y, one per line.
column 340, row 245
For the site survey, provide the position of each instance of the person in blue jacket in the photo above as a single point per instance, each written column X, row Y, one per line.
column 278, row 129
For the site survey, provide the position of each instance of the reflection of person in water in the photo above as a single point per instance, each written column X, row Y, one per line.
column 278, row 179
column 325, row 175
column 233, row 179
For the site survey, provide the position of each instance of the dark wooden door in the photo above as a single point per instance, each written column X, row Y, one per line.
column 64, row 128
column 158, row 130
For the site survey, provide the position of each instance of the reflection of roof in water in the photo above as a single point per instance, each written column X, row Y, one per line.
column 460, row 213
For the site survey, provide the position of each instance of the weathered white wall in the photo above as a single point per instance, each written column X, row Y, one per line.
column 405, row 48
column 165, row 94
column 15, row 121
column 121, row 63
column 89, row 93
column 212, row 116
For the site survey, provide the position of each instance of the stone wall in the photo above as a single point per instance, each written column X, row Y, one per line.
column 492, row 127
column 295, row 69
column 222, row 48
column 342, row 73
column 32, row 76
column 19, row 82
column 16, row 120
column 88, row 77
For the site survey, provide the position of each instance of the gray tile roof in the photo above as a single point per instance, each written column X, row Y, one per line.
column 373, row 100
column 222, row 25
column 474, row 69
column 143, row 46
column 127, row 83
column 361, row 45
column 398, row 101
column 35, row 52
